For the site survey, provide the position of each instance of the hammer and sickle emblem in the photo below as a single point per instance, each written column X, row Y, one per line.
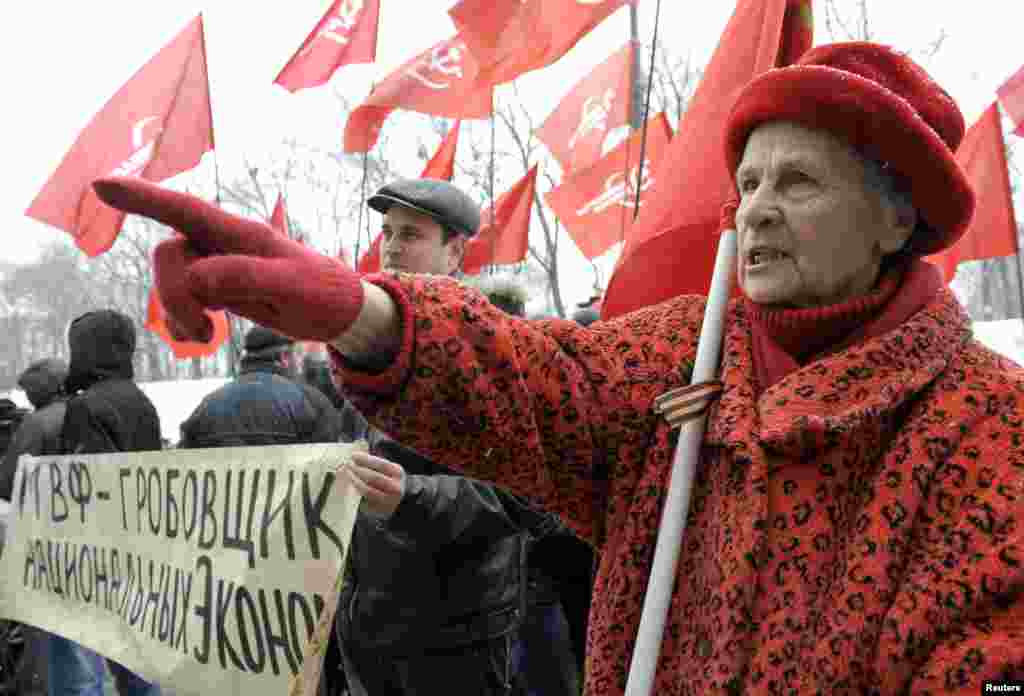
column 443, row 60
column 339, row 26
column 619, row 190
column 594, row 115
column 348, row 14
column 142, row 148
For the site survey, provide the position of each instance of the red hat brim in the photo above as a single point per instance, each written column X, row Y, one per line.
column 878, row 124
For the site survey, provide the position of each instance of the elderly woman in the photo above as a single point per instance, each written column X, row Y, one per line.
column 854, row 525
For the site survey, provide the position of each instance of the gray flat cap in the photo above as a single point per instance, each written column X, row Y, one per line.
column 434, row 197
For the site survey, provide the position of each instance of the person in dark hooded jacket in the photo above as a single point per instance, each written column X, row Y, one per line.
column 265, row 405
column 105, row 412
column 40, row 431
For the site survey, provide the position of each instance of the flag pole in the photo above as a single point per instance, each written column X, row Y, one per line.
column 647, row 110
column 362, row 198
column 684, row 465
column 235, row 350
column 629, row 146
column 362, row 204
column 490, row 185
column 636, row 120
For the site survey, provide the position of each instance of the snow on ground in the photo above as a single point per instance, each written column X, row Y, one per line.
column 174, row 400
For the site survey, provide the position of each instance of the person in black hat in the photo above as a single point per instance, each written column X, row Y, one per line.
column 265, row 405
column 39, row 432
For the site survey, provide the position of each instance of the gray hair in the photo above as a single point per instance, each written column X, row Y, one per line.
column 893, row 189
column 881, row 179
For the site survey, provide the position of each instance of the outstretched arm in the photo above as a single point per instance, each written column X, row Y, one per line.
column 548, row 409
column 375, row 336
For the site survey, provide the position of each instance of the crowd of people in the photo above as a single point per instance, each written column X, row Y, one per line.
column 853, row 526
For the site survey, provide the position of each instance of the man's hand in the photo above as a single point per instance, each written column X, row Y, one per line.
column 381, row 482
column 223, row 261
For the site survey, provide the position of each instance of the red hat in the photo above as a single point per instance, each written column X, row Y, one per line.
column 888, row 109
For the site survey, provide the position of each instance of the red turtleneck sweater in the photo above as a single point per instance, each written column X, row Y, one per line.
column 786, row 339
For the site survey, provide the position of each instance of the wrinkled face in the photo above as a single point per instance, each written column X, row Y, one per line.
column 414, row 243
column 811, row 230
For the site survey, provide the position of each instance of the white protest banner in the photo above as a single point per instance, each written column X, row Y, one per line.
column 208, row 570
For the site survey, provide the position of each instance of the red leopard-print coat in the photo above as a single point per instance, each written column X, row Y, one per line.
column 854, row 530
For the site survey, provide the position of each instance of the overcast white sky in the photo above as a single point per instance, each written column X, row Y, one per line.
column 64, row 60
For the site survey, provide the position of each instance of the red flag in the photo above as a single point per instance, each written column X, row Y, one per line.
column 167, row 102
column 156, row 321
column 442, row 164
column 483, row 22
column 345, row 35
column 993, row 230
column 507, row 239
column 279, row 218
column 670, row 250
column 596, row 205
column 440, row 81
column 512, row 37
column 369, row 262
column 1011, row 96
column 601, row 101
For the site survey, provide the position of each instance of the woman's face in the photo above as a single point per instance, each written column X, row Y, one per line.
column 811, row 229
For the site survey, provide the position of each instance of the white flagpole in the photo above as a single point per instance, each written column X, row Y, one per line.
column 684, row 464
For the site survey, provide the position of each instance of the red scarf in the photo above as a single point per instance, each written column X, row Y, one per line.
column 786, row 339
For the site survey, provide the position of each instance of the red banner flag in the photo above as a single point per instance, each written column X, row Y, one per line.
column 512, row 37
column 506, row 239
column 167, row 102
column 442, row 164
column 1011, row 96
column 345, row 35
column 369, row 262
column 483, row 22
column 156, row 321
column 596, row 205
column 279, row 218
column 440, row 81
column 576, row 130
column 671, row 248
column 993, row 230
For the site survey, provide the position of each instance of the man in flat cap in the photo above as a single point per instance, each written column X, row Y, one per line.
column 265, row 405
column 437, row 567
column 426, row 225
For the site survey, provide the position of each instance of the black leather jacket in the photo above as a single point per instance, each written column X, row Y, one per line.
column 446, row 571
